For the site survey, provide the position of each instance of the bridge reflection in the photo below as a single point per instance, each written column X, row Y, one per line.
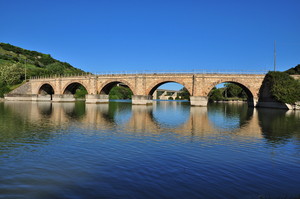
column 193, row 121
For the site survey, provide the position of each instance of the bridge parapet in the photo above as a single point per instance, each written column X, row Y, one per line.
column 153, row 73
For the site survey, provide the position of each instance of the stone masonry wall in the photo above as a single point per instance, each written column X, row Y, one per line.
column 143, row 84
column 23, row 89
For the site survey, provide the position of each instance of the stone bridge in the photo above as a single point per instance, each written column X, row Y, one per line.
column 62, row 89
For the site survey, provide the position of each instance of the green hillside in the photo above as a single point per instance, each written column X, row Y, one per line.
column 294, row 71
column 14, row 60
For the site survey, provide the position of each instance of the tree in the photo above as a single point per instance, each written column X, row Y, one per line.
column 3, row 89
column 284, row 88
column 184, row 94
column 55, row 68
column 80, row 92
column 216, row 95
column 294, row 71
column 234, row 91
column 10, row 74
column 120, row 92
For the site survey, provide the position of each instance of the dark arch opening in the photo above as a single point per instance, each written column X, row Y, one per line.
column 46, row 89
column 117, row 90
column 176, row 91
column 76, row 89
column 231, row 91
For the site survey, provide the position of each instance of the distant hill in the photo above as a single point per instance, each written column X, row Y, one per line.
column 37, row 63
column 14, row 60
column 294, row 71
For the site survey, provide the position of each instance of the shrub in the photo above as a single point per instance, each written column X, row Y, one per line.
column 184, row 94
column 216, row 95
column 3, row 89
column 80, row 92
column 120, row 92
column 283, row 87
column 294, row 71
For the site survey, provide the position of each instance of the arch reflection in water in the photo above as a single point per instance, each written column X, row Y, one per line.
column 161, row 118
column 25, row 123
column 229, row 116
column 62, row 146
column 170, row 113
column 107, row 115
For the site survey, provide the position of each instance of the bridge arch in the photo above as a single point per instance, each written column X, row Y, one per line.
column 71, row 87
column 150, row 90
column 46, row 89
column 108, row 85
column 246, row 88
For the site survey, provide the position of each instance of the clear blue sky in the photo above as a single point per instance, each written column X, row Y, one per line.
column 120, row 35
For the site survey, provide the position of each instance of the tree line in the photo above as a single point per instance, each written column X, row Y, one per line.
column 230, row 91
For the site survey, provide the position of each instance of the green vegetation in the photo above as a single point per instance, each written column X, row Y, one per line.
column 230, row 91
column 283, row 87
column 216, row 94
column 3, row 89
column 14, row 60
column 120, row 92
column 38, row 64
column 184, row 94
column 234, row 91
column 80, row 92
column 294, row 71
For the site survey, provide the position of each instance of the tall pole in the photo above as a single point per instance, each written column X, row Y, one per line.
column 274, row 55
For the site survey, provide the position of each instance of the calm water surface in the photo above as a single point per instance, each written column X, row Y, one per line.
column 168, row 150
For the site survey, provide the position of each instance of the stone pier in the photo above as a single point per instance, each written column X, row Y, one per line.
column 96, row 98
column 63, row 98
column 141, row 99
column 198, row 100
column 44, row 98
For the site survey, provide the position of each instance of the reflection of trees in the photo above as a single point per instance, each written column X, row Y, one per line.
column 29, row 121
column 20, row 127
column 75, row 110
column 115, row 109
column 45, row 108
column 278, row 126
column 231, row 113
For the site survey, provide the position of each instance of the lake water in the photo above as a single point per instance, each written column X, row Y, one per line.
column 168, row 150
